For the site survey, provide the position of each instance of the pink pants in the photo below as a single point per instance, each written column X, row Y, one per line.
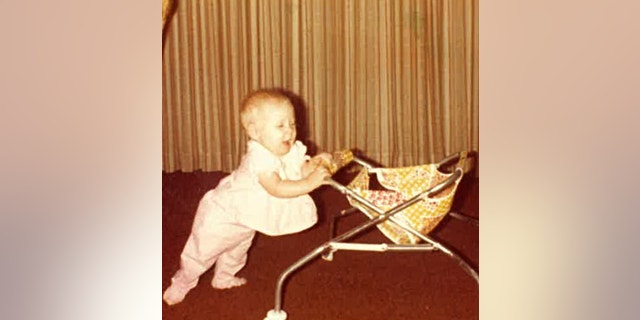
column 215, row 238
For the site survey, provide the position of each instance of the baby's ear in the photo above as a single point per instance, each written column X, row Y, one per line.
column 252, row 131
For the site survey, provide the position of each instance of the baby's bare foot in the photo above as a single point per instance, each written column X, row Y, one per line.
column 229, row 283
column 174, row 294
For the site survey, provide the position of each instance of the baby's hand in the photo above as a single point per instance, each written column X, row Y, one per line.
column 326, row 160
column 322, row 157
column 318, row 176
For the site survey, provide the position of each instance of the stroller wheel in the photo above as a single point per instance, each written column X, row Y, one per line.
column 276, row 315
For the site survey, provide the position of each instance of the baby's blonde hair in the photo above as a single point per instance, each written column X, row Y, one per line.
column 251, row 105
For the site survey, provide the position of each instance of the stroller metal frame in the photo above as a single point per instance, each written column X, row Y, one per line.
column 334, row 244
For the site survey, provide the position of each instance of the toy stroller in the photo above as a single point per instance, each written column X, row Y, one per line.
column 414, row 202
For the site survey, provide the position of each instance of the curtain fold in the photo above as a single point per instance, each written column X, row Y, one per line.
column 166, row 5
column 395, row 79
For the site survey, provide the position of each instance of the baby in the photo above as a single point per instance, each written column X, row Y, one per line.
column 268, row 193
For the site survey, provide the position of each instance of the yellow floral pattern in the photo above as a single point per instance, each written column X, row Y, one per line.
column 403, row 184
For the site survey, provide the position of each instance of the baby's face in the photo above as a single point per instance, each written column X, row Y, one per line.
column 276, row 128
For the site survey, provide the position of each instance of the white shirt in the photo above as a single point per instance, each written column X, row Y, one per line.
column 242, row 196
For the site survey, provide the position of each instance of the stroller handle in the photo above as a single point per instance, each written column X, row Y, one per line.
column 461, row 158
column 339, row 160
column 342, row 158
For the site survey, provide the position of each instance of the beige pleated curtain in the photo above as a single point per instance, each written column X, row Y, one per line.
column 395, row 79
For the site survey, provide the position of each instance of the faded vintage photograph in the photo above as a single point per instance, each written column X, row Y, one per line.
column 320, row 159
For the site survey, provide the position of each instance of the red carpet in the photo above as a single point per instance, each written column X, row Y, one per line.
column 355, row 285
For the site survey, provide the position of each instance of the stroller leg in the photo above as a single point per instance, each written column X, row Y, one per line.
column 463, row 264
column 440, row 247
column 464, row 218
column 332, row 222
column 328, row 256
column 277, row 313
